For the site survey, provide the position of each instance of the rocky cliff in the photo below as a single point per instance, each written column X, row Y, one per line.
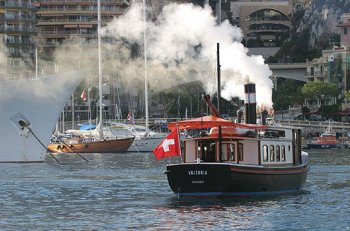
column 318, row 19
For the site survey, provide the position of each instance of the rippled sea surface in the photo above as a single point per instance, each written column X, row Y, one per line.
column 130, row 192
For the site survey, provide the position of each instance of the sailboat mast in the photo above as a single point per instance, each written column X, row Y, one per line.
column 89, row 103
column 145, row 63
column 36, row 62
column 99, row 64
column 219, row 75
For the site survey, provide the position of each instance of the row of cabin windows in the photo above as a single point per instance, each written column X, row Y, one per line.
column 273, row 154
column 230, row 153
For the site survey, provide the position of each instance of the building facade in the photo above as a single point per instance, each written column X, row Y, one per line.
column 60, row 19
column 345, row 30
column 17, row 30
column 334, row 65
column 264, row 23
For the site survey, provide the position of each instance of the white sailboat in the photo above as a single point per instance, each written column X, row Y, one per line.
column 145, row 139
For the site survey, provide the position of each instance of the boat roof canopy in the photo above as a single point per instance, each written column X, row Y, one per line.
column 210, row 122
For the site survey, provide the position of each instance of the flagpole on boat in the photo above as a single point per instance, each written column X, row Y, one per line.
column 219, row 75
column 99, row 64
column 145, row 63
column 219, row 95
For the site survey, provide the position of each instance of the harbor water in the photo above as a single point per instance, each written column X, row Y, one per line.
column 130, row 192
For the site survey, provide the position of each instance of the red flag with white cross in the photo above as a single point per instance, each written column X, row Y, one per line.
column 170, row 146
column 83, row 95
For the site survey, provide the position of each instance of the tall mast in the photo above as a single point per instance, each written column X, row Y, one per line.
column 219, row 95
column 145, row 62
column 219, row 77
column 99, row 64
column 36, row 62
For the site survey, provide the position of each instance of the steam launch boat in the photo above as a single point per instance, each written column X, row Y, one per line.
column 235, row 159
column 29, row 109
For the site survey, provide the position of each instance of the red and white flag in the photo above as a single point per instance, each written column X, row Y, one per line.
column 130, row 118
column 170, row 146
column 83, row 95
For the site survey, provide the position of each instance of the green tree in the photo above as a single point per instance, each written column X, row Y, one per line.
column 319, row 90
column 287, row 93
column 347, row 96
column 324, row 91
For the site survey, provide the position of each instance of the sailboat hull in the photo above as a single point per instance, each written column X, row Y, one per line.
column 104, row 146
column 145, row 144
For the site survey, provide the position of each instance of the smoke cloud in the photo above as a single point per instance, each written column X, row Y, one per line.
column 181, row 47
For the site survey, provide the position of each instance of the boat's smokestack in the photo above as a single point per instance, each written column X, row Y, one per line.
column 250, row 103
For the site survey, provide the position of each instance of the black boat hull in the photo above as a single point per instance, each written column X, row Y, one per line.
column 224, row 179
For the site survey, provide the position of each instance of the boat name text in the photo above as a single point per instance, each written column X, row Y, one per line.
column 197, row 173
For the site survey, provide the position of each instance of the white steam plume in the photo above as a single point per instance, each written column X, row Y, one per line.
column 182, row 48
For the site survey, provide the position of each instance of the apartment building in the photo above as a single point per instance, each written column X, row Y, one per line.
column 58, row 20
column 264, row 23
column 17, row 28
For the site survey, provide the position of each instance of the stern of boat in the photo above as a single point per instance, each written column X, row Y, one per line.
column 198, row 179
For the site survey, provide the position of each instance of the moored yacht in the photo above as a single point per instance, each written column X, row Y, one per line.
column 145, row 139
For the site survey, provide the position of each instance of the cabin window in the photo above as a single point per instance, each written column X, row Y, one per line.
column 225, row 153
column 265, row 153
column 283, row 153
column 288, row 148
column 278, row 153
column 204, row 152
column 208, row 151
column 272, row 153
column 240, row 152
column 199, row 152
column 231, row 152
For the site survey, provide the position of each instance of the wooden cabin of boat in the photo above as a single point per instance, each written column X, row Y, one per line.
column 273, row 146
